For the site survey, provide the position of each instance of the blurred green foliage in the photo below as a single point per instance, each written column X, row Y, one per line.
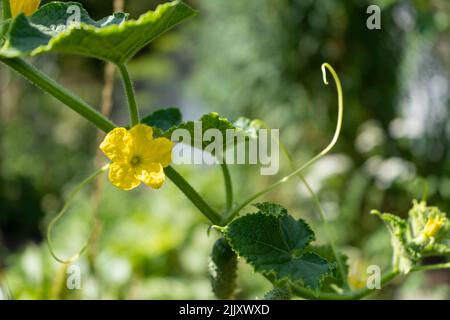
column 254, row 58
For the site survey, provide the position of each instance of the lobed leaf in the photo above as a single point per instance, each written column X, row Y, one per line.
column 208, row 121
column 163, row 119
column 271, row 208
column 112, row 38
column 275, row 244
column 167, row 121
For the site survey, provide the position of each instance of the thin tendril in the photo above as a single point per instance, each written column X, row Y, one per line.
column 61, row 213
column 337, row 132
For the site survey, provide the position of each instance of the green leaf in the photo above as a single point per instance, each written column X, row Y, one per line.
column 425, row 233
column 112, row 38
column 335, row 278
column 278, row 293
column 163, row 119
column 208, row 121
column 404, row 257
column 195, row 134
column 271, row 208
column 276, row 246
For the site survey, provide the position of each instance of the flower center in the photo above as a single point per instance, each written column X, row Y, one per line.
column 135, row 160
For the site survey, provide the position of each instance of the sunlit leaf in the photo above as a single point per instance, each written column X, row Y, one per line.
column 275, row 244
column 113, row 38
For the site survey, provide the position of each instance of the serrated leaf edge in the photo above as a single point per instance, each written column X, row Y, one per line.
column 149, row 16
column 272, row 273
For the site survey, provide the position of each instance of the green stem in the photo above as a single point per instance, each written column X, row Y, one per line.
column 6, row 10
column 6, row 14
column 359, row 294
column 129, row 89
column 355, row 295
column 228, row 186
column 59, row 92
column 192, row 195
column 429, row 267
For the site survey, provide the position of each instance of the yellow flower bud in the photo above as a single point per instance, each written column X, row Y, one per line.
column 28, row 7
column 357, row 276
column 433, row 226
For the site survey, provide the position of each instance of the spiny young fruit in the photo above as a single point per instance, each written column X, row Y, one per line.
column 222, row 270
column 278, row 293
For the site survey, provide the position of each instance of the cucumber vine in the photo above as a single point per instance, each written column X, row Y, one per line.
column 277, row 245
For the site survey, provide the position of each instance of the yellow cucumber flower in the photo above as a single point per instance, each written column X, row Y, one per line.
column 136, row 157
column 433, row 226
column 28, row 7
column 357, row 276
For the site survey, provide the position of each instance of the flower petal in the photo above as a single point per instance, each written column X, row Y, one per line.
column 152, row 175
column 141, row 134
column 28, row 7
column 16, row 7
column 158, row 151
column 114, row 145
column 123, row 176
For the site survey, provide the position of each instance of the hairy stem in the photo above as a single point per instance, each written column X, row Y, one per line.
column 59, row 92
column 6, row 14
column 192, row 195
column 131, row 97
column 359, row 294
